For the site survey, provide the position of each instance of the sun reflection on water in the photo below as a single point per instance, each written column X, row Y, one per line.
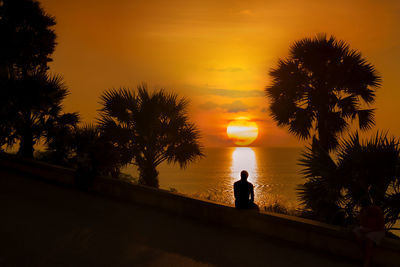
column 244, row 158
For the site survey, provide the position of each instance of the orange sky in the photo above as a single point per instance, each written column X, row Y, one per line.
column 216, row 53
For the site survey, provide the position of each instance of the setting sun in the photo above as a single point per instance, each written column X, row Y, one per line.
column 242, row 131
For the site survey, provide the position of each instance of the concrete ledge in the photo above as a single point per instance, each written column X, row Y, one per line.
column 305, row 233
column 37, row 169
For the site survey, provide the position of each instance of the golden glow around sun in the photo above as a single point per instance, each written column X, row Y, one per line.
column 242, row 131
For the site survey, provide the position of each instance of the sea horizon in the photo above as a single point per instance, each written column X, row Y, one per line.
column 273, row 171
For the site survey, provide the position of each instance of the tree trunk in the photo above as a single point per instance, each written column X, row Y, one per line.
column 324, row 136
column 26, row 145
column 148, row 175
column 322, row 139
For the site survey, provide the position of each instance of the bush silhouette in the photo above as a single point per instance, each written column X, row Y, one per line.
column 361, row 169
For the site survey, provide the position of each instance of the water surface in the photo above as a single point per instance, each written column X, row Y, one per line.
column 273, row 171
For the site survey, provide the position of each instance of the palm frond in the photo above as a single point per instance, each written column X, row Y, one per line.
column 301, row 123
column 366, row 118
column 348, row 106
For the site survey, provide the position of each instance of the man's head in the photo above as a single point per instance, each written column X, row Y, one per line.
column 244, row 174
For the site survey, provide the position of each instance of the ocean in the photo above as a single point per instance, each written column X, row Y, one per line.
column 274, row 173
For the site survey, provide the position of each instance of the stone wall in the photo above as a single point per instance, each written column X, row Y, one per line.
column 305, row 233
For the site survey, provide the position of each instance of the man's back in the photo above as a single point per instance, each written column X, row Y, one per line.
column 244, row 195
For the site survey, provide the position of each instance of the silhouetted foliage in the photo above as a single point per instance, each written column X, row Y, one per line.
column 6, row 122
column 70, row 145
column 320, row 88
column 106, row 158
column 27, row 38
column 30, row 99
column 361, row 169
column 31, row 105
column 152, row 127
column 60, row 138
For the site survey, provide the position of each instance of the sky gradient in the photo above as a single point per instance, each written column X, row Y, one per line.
column 216, row 53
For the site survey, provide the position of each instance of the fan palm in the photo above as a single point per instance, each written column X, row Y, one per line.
column 60, row 138
column 153, row 127
column 105, row 157
column 362, row 169
column 32, row 106
column 320, row 88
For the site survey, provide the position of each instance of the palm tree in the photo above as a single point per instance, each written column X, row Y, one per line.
column 321, row 88
column 105, row 157
column 361, row 169
column 28, row 38
column 152, row 127
column 6, row 120
column 60, row 138
column 32, row 107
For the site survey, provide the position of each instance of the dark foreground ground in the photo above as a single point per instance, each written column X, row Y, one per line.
column 47, row 225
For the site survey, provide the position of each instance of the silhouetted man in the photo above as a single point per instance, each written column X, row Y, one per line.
column 244, row 193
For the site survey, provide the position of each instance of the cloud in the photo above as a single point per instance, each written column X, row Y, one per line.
column 236, row 93
column 234, row 107
column 212, row 90
column 209, row 105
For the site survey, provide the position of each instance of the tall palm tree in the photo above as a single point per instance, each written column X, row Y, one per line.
column 28, row 38
column 321, row 88
column 153, row 127
column 32, row 106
